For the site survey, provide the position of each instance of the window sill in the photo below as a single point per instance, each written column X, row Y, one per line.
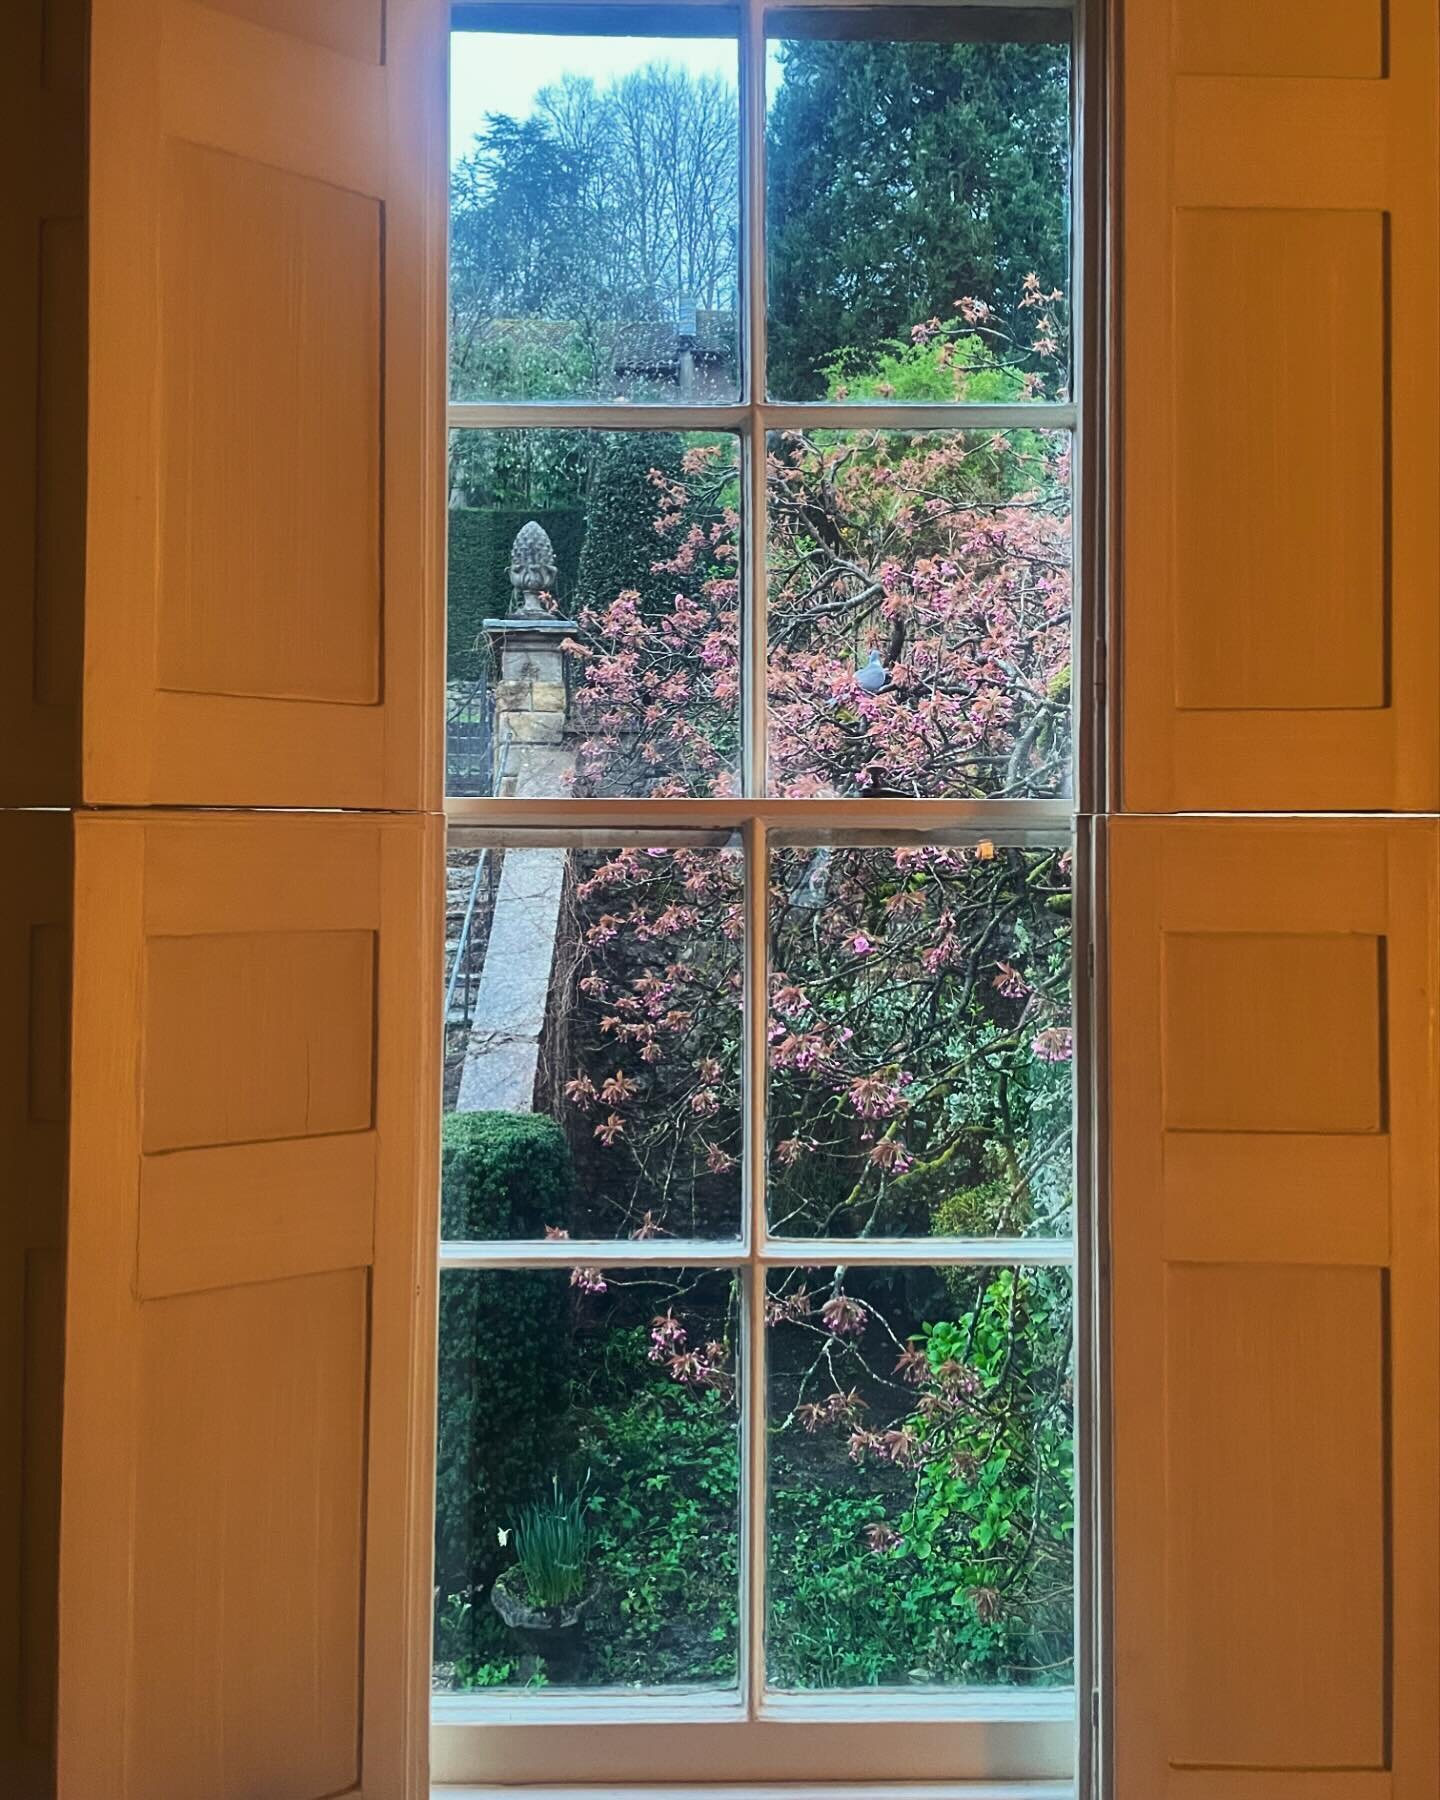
column 862, row 1755
column 978, row 1706
column 922, row 1790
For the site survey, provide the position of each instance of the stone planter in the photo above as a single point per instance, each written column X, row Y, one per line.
column 555, row 1633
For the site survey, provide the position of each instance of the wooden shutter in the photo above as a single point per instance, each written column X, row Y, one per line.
column 1275, row 1334
column 42, row 379
column 1281, row 329
column 267, row 262
column 244, row 1584
column 34, row 971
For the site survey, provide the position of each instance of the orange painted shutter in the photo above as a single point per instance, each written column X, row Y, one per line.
column 34, row 973
column 1275, row 1335
column 267, row 265
column 244, row 1584
column 42, row 379
column 1281, row 382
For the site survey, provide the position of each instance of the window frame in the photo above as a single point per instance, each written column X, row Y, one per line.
column 1022, row 1744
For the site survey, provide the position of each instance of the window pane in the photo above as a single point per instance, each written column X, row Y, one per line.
column 594, row 216
column 920, row 614
column 917, row 231
column 593, row 1034
column 586, row 1520
column 920, row 1042
column 593, row 614
column 921, row 1477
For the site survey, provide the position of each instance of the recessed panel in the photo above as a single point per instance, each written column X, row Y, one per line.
column 1288, row 37
column 63, row 44
column 49, row 1013
column 1277, row 1563
column 1265, row 1032
column 270, row 578
column 44, row 1350
column 248, row 1543
column 1279, row 491
column 258, row 1035
column 353, row 27
column 60, row 462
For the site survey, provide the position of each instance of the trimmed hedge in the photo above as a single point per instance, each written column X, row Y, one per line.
column 478, row 585
column 504, row 1338
column 620, row 540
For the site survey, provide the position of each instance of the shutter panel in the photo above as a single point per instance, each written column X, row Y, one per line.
column 42, row 378
column 34, row 941
column 267, row 229
column 1275, row 1344
column 1279, row 349
column 247, row 1417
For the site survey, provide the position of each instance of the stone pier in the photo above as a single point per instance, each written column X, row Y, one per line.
column 532, row 757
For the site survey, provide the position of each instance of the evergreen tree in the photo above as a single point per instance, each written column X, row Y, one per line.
column 620, row 544
column 901, row 177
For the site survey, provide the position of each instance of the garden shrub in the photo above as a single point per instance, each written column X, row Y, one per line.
column 478, row 586
column 504, row 1341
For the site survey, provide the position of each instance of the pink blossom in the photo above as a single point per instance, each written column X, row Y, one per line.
column 1054, row 1044
column 844, row 1316
column 890, row 1154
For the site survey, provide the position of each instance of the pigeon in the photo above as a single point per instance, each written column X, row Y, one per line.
column 874, row 675
column 809, row 890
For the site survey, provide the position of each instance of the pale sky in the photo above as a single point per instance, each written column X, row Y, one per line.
column 494, row 71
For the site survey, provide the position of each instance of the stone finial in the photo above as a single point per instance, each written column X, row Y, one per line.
column 533, row 573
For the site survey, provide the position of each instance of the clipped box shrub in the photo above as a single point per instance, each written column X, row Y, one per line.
column 504, row 1339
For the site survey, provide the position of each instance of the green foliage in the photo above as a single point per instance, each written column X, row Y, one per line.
column 954, row 1570
column 955, row 368
column 478, row 583
column 552, row 1546
column 939, row 1549
column 975, row 1211
column 904, row 176
column 500, row 1389
column 665, row 1472
column 837, row 1612
column 619, row 543
column 992, row 1520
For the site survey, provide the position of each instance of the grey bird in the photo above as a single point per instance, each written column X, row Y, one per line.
column 874, row 675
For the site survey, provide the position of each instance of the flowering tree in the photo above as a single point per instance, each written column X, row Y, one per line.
column 919, row 1040
column 918, row 607
column 920, row 1030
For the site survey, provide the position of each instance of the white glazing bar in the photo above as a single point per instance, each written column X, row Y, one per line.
column 917, row 1252
column 615, row 415
column 784, row 6
column 1006, row 821
column 884, row 415
column 753, row 352
column 754, row 729
column 752, row 1389
column 600, row 1253
column 772, row 1253
column 820, row 415
column 753, row 1551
